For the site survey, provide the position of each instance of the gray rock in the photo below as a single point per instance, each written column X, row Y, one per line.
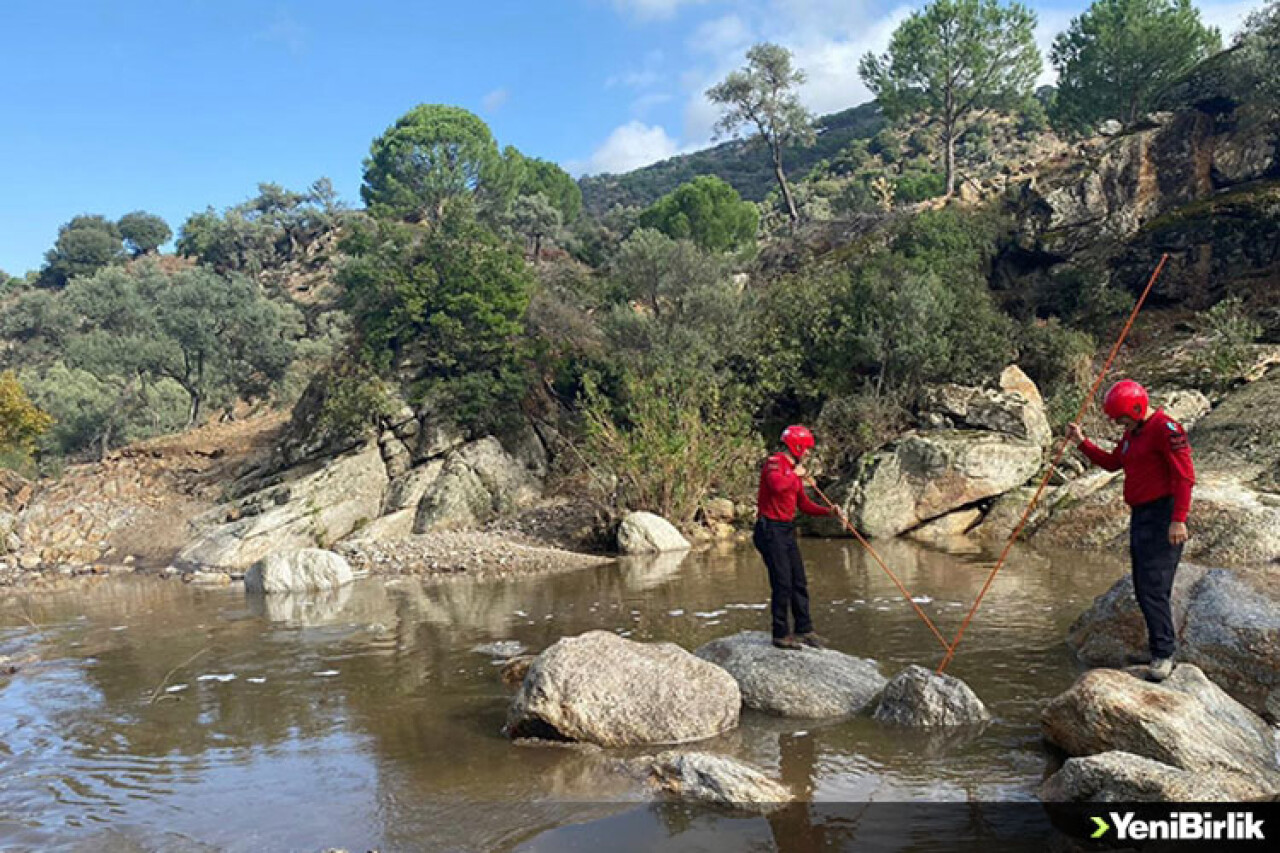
column 1232, row 632
column 479, row 482
column 919, row 697
column 1122, row 777
column 303, row 570
column 1016, row 413
column 646, row 533
column 603, row 689
column 716, row 779
column 313, row 505
column 1112, row 631
column 945, row 530
column 406, row 491
column 929, row 474
column 1186, row 721
column 809, row 684
column 1227, row 620
column 1110, row 127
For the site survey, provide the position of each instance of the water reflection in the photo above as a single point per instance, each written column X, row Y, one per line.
column 361, row 718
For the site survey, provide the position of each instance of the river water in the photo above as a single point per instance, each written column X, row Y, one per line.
column 161, row 716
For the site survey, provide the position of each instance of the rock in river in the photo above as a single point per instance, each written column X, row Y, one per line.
column 920, row 697
column 604, row 689
column 812, row 683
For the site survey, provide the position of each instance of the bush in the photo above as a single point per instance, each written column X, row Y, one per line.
column 1229, row 332
column 21, row 422
column 669, row 443
column 853, row 425
column 1060, row 361
column 917, row 186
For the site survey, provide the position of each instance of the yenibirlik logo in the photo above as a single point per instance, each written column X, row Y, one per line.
column 1180, row 826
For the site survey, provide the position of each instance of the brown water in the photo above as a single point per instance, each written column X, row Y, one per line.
column 364, row 720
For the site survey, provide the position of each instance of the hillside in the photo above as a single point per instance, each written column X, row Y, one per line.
column 747, row 169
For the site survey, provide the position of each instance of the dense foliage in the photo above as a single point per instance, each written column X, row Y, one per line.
column 707, row 211
column 1117, row 57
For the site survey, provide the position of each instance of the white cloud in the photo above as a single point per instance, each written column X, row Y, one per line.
column 495, row 100
column 648, row 74
column 630, row 146
column 648, row 10
column 720, row 36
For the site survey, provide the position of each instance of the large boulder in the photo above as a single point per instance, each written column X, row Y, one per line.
column 304, row 570
column 929, row 474
column 1232, row 632
column 920, row 697
column 314, row 505
column 646, row 533
column 715, row 779
column 480, row 481
column 603, row 689
column 1014, row 413
column 812, row 683
column 1186, row 722
column 1112, row 632
column 1122, row 777
column 1228, row 622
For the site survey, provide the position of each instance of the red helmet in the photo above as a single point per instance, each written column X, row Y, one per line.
column 798, row 440
column 1126, row 398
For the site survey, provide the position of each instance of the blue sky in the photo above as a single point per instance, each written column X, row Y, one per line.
column 109, row 106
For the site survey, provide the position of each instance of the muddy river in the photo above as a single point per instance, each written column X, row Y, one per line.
column 159, row 716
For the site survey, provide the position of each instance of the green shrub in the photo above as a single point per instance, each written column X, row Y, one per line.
column 668, row 443
column 1229, row 333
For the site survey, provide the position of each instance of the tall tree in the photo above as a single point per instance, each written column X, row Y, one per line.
column 763, row 95
column 143, row 232
column 707, row 211
column 952, row 62
column 1260, row 45
column 1114, row 60
column 432, row 154
column 85, row 245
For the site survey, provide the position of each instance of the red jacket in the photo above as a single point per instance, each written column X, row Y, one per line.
column 1156, row 459
column 781, row 490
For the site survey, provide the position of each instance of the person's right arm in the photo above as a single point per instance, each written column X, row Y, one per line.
column 1108, row 460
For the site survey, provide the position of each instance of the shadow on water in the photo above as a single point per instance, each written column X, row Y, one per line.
column 363, row 719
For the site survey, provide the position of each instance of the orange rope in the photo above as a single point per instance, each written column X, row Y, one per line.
column 892, row 576
column 1057, row 457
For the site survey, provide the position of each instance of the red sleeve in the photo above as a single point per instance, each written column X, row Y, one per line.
column 1182, row 471
column 809, row 507
column 1108, row 460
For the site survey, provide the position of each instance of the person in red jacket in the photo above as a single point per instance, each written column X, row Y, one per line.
column 781, row 491
column 1158, row 477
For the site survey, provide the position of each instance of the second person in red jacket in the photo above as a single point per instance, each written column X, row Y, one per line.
column 781, row 491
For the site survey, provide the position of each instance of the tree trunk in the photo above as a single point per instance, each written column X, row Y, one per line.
column 193, row 411
column 792, row 213
column 950, row 160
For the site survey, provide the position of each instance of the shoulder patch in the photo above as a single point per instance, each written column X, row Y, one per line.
column 1173, row 426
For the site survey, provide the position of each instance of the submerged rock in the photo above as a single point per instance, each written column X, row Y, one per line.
column 919, row 697
column 1122, row 777
column 501, row 649
column 304, row 570
column 811, row 683
column 603, row 689
column 1186, row 722
column 515, row 669
column 646, row 533
column 715, row 779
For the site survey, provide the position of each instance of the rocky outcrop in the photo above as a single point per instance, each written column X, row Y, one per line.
column 1186, row 722
column 1008, row 412
column 810, row 684
column 1228, row 624
column 1122, row 777
column 478, row 482
column 919, row 697
column 707, row 778
column 304, row 570
column 646, row 533
column 929, row 474
column 603, row 689
column 316, row 505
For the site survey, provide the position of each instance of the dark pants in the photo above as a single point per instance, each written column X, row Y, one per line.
column 1154, row 564
column 776, row 542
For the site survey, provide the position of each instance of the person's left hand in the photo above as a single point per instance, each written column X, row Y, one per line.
column 1177, row 532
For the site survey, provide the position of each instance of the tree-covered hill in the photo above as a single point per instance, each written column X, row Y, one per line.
column 745, row 168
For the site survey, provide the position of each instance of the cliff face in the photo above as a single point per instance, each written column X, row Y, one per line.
column 1201, row 182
